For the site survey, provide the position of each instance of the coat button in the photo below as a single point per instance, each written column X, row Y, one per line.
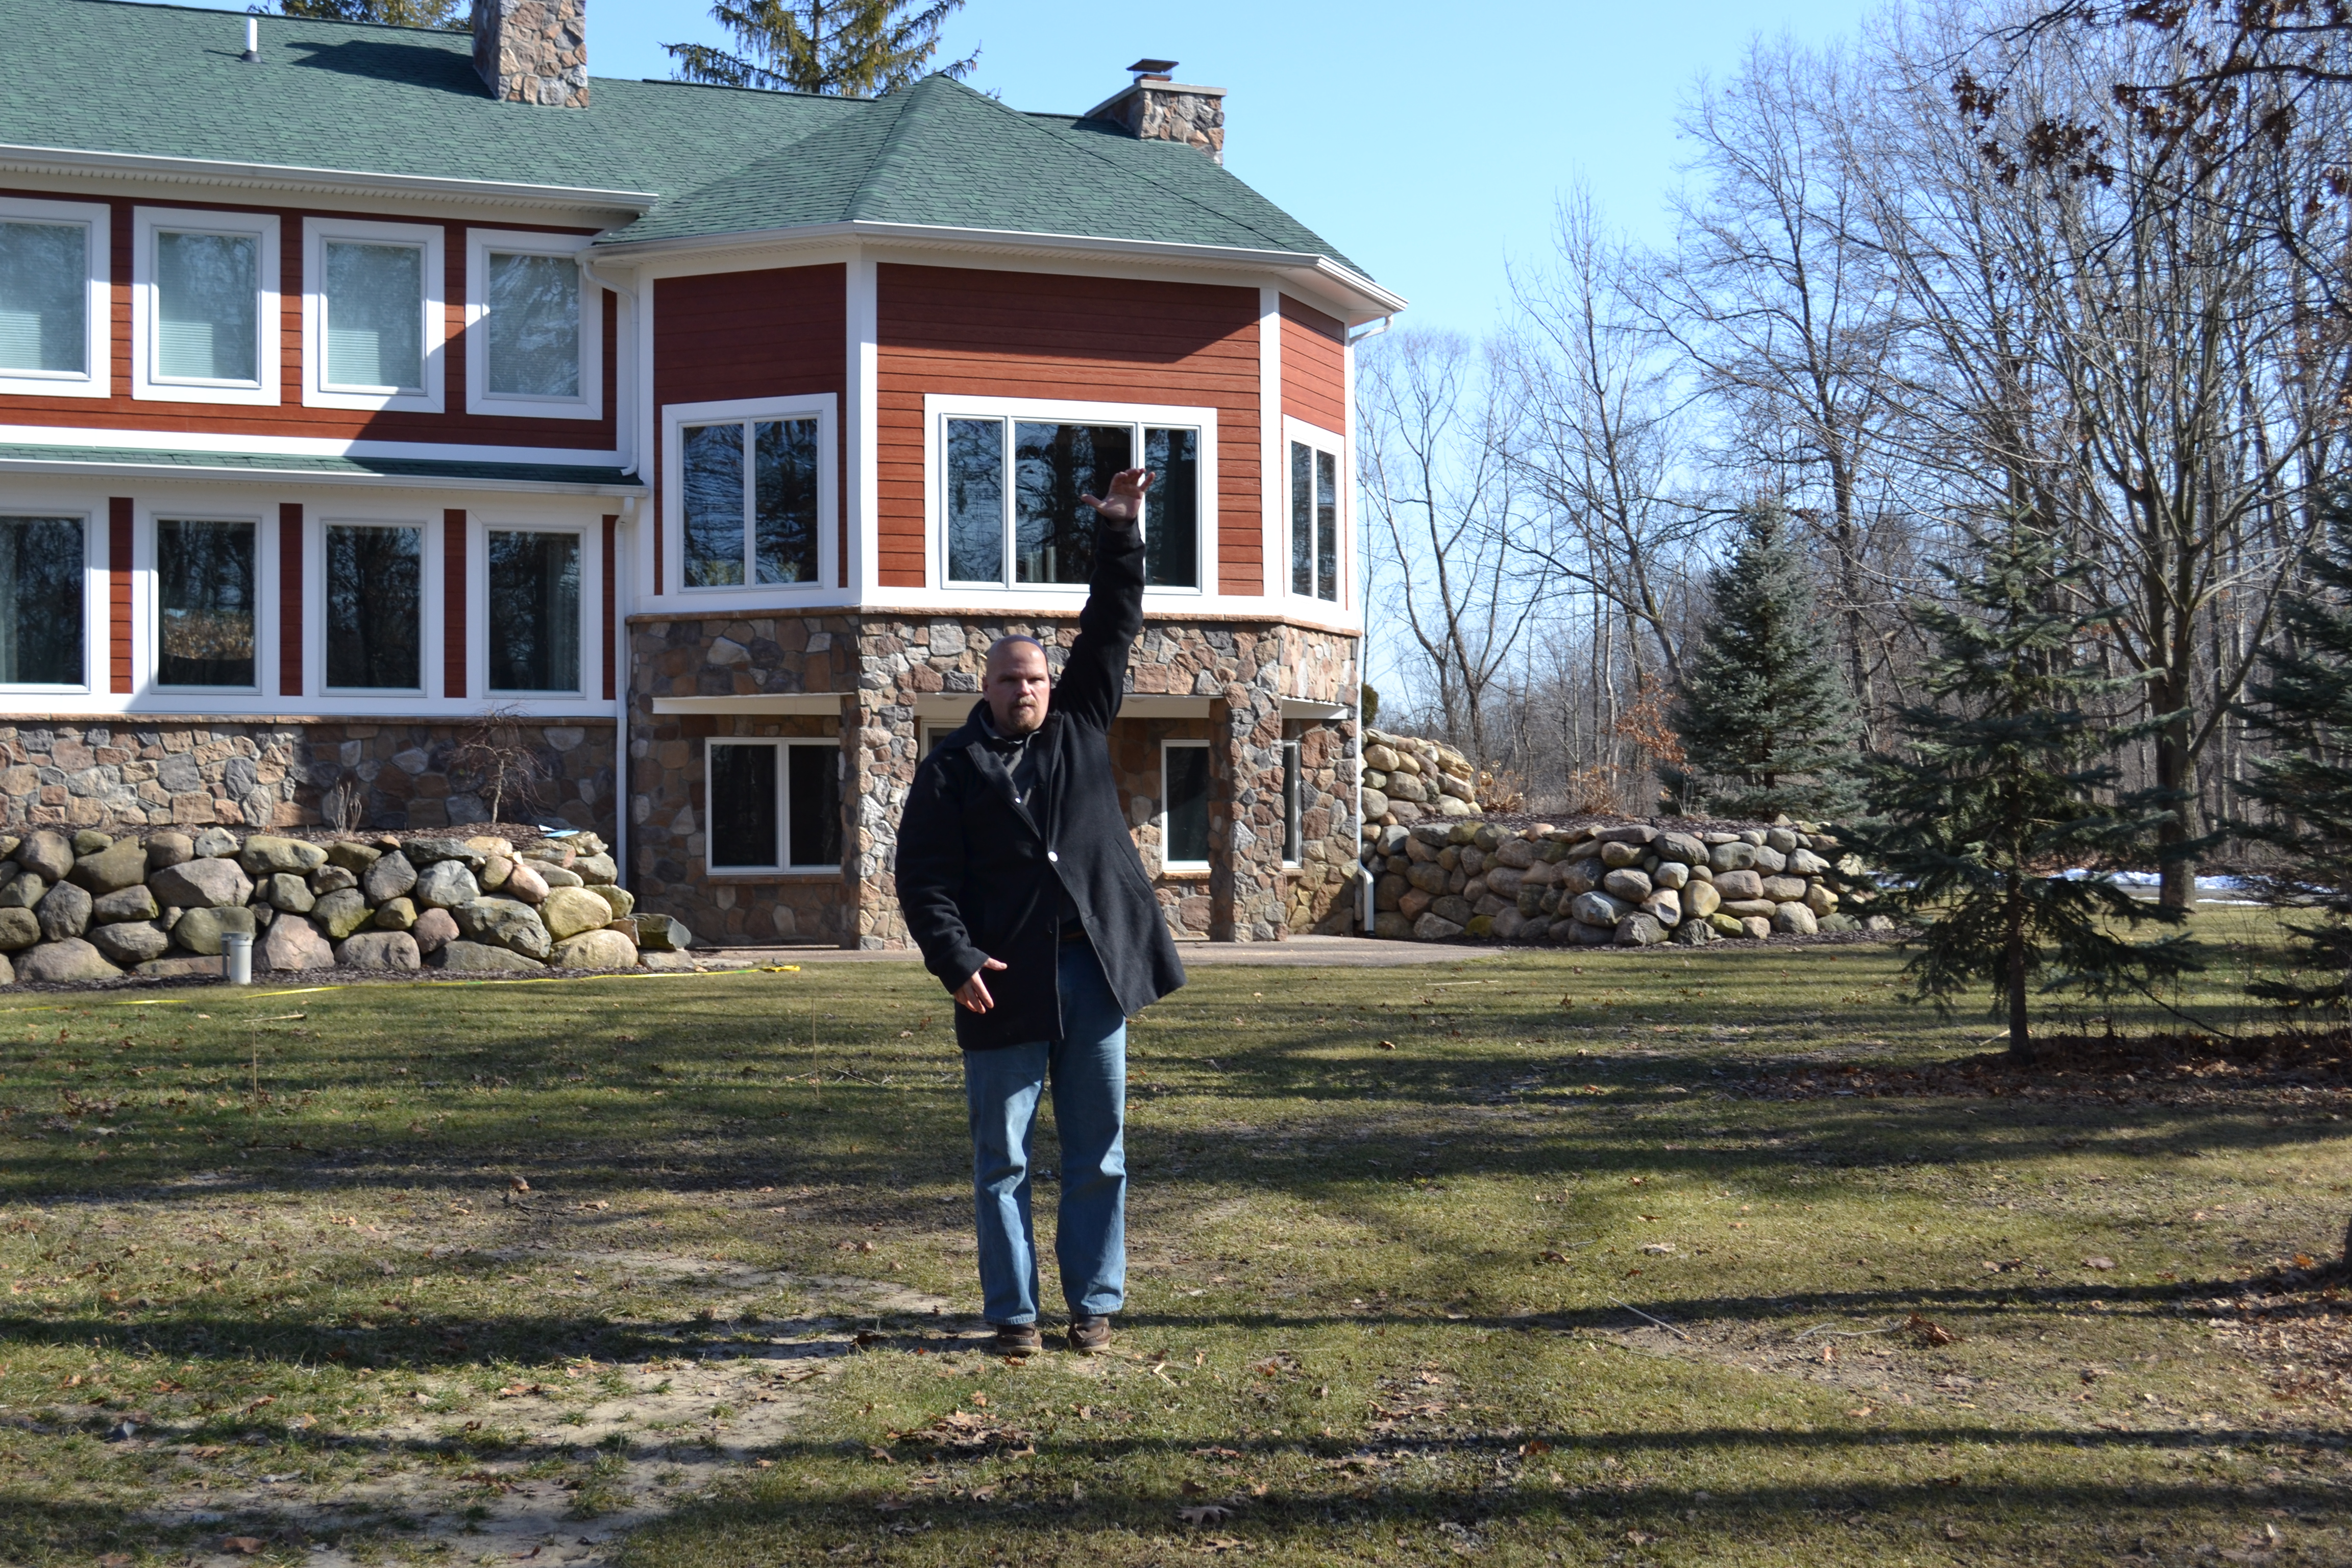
column 1050, row 855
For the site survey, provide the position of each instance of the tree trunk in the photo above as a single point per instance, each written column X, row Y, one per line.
column 2020, row 1042
column 2176, row 775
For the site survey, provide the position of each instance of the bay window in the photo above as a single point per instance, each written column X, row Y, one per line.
column 53, row 299
column 534, row 327
column 534, row 611
column 42, row 595
column 1315, row 520
column 376, row 607
column 204, row 603
column 372, row 316
column 773, row 806
column 205, row 306
column 1008, row 476
column 753, row 492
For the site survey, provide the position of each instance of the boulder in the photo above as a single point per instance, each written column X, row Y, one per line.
column 1795, row 919
column 1733, row 855
column 553, row 852
column 1693, row 934
column 1784, row 889
column 289, row 891
column 1628, row 884
column 1878, row 922
column 341, row 912
column 605, row 949
column 215, row 843
column 1665, row 906
column 1727, row 925
column 181, row 968
column 390, row 878
column 446, row 885
column 205, row 882
column 330, row 880
column 1452, row 907
column 1781, row 839
column 1580, row 875
column 1821, row 900
column 557, row 877
column 169, row 847
column 130, row 944
column 622, row 900
column 1628, row 833
column 434, row 851
column 23, row 890
column 200, row 931
column 49, row 853
column 1680, row 848
column 64, row 962
column 1638, row 929
column 1596, row 910
column 480, row 957
column 505, row 922
column 1769, row 860
column 265, row 855
column 1675, row 874
column 1617, row 852
column 1758, row 908
column 116, row 867
column 381, row 950
column 292, row 944
column 1838, row 922
column 1515, row 853
column 433, row 928
column 396, row 914
column 8, row 971
column 1756, row 926
column 1805, row 863
column 1702, row 898
column 1376, row 803
column 492, row 846
column 1507, row 925
column 525, row 883
column 1739, row 884
column 660, row 933
column 353, row 856
column 494, row 872
column 1380, row 756
column 1434, row 927
column 568, row 911
column 132, row 903
column 679, row 963
column 64, row 911
column 20, row 929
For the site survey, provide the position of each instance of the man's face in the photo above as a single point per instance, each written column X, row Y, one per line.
column 1018, row 687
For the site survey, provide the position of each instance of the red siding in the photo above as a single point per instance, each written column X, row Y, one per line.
column 1314, row 366
column 121, row 412
column 779, row 333
column 117, row 590
column 289, row 599
column 453, row 604
column 604, row 652
column 1018, row 334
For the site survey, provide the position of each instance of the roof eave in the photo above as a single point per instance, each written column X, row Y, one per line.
column 292, row 177
column 132, row 467
column 1366, row 300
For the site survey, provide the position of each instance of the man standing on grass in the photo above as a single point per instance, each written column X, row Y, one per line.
column 1021, row 886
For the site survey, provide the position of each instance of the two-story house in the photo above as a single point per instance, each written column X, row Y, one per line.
column 357, row 382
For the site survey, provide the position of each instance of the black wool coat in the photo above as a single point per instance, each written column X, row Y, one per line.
column 979, row 877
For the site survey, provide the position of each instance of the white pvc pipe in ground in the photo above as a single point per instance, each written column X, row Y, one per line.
column 236, row 957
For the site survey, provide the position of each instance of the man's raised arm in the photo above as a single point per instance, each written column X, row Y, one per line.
column 1093, row 678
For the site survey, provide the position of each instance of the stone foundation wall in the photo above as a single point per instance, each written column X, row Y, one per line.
column 117, row 775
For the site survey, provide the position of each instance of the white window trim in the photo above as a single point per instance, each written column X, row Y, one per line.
column 428, row 593
column 784, row 866
column 145, row 224
column 1294, row 783
column 479, row 399
column 591, row 591
column 1329, row 441
column 1167, row 862
column 98, row 310
column 316, row 391
column 824, row 408
column 938, row 408
column 94, row 624
column 150, row 549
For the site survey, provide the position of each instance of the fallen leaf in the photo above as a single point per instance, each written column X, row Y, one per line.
column 1928, row 1332
column 1194, row 1488
column 2098, row 1263
column 1388, row 1045
column 1207, row 1513
column 247, row 1544
column 1660, row 1248
column 1529, row 1449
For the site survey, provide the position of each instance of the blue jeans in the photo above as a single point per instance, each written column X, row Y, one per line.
column 1087, row 1069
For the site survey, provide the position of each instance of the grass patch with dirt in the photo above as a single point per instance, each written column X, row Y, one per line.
column 1661, row 1257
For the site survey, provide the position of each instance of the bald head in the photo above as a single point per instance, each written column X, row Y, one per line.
column 1016, row 684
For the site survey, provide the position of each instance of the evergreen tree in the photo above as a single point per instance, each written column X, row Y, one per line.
column 846, row 48
column 2000, row 787
column 2302, row 706
column 1765, row 724
column 439, row 14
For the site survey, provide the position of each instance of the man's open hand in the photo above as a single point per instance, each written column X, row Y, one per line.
column 973, row 992
column 1126, row 502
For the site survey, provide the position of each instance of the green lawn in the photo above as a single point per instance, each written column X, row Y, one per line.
column 1577, row 1257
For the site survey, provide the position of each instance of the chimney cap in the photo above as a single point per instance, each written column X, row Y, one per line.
column 1152, row 67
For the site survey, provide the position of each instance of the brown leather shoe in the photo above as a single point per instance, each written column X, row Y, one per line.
column 1018, row 1338
column 1088, row 1335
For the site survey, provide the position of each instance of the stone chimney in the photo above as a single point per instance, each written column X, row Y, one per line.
column 1158, row 109
column 533, row 51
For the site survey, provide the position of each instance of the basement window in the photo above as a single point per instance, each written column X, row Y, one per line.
column 42, row 591
column 1184, row 805
column 774, row 806
column 376, row 607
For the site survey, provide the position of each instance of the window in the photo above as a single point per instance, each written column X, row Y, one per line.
column 204, row 603
column 1292, row 842
column 534, row 611
column 534, row 327
column 372, row 316
column 205, row 306
column 53, row 299
column 775, row 805
column 1010, row 475
column 1314, row 522
column 42, row 559
column 751, row 503
column 1184, row 805
column 754, row 488
column 376, row 607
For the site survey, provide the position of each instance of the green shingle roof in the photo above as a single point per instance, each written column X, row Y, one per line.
column 166, row 82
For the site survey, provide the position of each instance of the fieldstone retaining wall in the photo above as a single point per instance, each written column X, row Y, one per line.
column 1630, row 884
column 92, row 907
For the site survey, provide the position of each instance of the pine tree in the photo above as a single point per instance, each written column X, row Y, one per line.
column 1765, row 721
column 2302, row 705
column 439, row 14
column 844, row 48
column 2000, row 787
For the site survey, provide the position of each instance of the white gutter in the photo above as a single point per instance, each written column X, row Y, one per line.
column 298, row 177
column 1321, row 268
column 243, row 474
column 1367, row 918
